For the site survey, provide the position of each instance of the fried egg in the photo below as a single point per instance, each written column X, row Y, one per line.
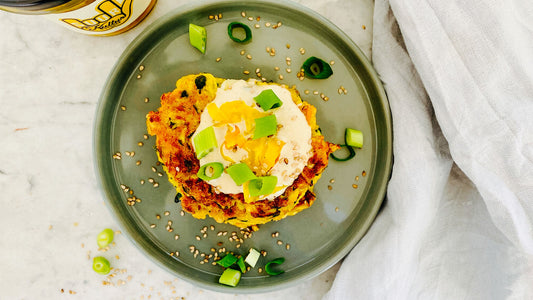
column 232, row 114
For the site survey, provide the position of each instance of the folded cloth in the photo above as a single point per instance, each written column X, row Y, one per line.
column 458, row 219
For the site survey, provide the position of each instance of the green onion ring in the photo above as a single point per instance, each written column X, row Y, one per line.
column 316, row 68
column 277, row 261
column 233, row 25
column 350, row 156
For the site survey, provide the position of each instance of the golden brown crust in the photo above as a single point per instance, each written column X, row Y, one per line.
column 173, row 125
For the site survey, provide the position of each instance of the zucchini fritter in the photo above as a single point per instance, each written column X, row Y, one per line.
column 174, row 123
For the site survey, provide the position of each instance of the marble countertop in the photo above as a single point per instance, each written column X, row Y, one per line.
column 51, row 208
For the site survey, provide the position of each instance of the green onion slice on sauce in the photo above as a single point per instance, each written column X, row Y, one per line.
column 267, row 100
column 265, row 126
column 204, row 142
column 210, row 171
column 262, row 185
column 240, row 173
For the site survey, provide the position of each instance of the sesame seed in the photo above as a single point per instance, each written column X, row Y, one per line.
column 332, row 62
column 198, row 238
column 356, row 177
column 250, row 18
column 156, row 184
column 302, row 51
column 364, row 173
column 280, row 77
column 212, row 227
column 211, row 17
column 242, row 52
column 276, row 68
column 182, row 213
column 336, row 209
column 176, row 237
column 123, row 107
column 279, row 242
column 216, row 17
column 159, row 174
column 248, row 56
column 154, row 169
column 288, row 70
column 220, row 15
column 354, row 186
column 330, row 187
column 139, row 76
column 152, row 225
column 267, row 24
column 306, row 92
column 257, row 25
column 288, row 46
column 243, row 14
column 158, row 217
column 288, row 246
column 146, row 100
column 364, row 27
column 260, row 270
column 145, row 136
column 166, row 213
column 315, row 92
column 141, row 68
column 246, row 72
column 218, row 59
column 332, row 181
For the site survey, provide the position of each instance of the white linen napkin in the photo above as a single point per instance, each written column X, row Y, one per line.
column 458, row 219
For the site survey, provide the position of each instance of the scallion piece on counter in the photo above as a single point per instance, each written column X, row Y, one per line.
column 252, row 257
column 262, row 185
column 316, row 68
column 277, row 261
column 351, row 154
column 104, row 238
column 240, row 173
column 210, row 171
column 267, row 100
column 197, row 37
column 234, row 32
column 228, row 260
column 204, row 142
column 230, row 277
column 101, row 265
column 354, row 138
column 265, row 126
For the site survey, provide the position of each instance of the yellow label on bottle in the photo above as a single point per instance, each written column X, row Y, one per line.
column 105, row 17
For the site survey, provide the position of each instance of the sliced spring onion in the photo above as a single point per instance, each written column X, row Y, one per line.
column 204, row 142
column 252, row 257
column 104, row 238
column 267, row 99
column 241, row 264
column 230, row 277
column 262, row 186
column 101, row 265
column 240, row 173
column 210, row 171
column 233, row 29
column 350, row 155
column 316, row 68
column 277, row 261
column 197, row 37
column 354, row 138
column 265, row 126
column 227, row 261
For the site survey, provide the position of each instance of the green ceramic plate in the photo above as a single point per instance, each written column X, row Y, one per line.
column 349, row 194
